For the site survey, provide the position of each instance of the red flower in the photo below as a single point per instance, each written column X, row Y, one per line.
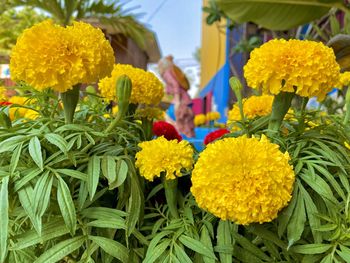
column 215, row 135
column 163, row 128
column 5, row 103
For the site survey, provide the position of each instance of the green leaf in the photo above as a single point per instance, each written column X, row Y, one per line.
column 122, row 172
column 35, row 152
column 224, row 238
column 66, row 205
column 51, row 230
column 11, row 143
column 42, row 192
column 4, row 217
column 155, row 240
column 93, row 175
column 108, row 223
column 319, row 186
column 344, row 253
column 154, row 254
column 102, row 213
column 311, row 248
column 206, row 240
column 112, row 247
column 276, row 14
column 108, row 166
column 196, row 246
column 135, row 205
column 249, row 246
column 286, row 214
column 57, row 140
column 26, row 178
column 15, row 158
column 297, row 222
column 311, row 211
column 73, row 173
column 62, row 249
column 181, row 254
column 26, row 197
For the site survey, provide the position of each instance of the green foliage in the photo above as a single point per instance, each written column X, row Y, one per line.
column 277, row 14
column 12, row 24
column 102, row 11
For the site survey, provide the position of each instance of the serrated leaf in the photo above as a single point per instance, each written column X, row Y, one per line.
column 224, row 238
column 206, row 240
column 11, row 143
column 57, row 140
column 60, row 250
column 66, row 204
column 73, row 173
column 196, row 246
column 112, row 247
column 135, row 205
column 102, row 213
column 26, row 197
column 108, row 223
column 286, row 214
column 311, row 248
column 93, row 175
column 4, row 217
column 42, row 192
column 297, row 222
column 181, row 254
column 154, row 254
column 26, row 178
column 51, row 230
column 108, row 166
column 35, row 152
column 15, row 158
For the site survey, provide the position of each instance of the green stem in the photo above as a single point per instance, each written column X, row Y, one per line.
column 303, row 113
column 147, row 125
column 347, row 106
column 70, row 100
column 170, row 187
column 280, row 107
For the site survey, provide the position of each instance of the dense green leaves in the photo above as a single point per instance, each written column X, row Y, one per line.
column 277, row 14
column 4, row 217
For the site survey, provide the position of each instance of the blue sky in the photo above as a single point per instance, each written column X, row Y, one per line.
column 177, row 24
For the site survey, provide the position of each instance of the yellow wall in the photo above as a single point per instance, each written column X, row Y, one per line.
column 212, row 50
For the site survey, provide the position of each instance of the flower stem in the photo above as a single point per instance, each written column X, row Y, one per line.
column 70, row 100
column 347, row 106
column 280, row 107
column 170, row 187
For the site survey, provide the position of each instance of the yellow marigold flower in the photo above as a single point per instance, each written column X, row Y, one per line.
column 242, row 179
column 3, row 96
column 146, row 87
column 48, row 55
column 15, row 110
column 213, row 116
column 31, row 114
column 161, row 155
column 199, row 119
column 279, row 65
column 151, row 113
column 254, row 106
column 344, row 78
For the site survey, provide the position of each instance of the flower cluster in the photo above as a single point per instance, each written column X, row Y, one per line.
column 162, row 128
column 215, row 135
column 16, row 111
column 254, row 106
column 162, row 156
column 146, row 87
column 50, row 56
column 243, row 179
column 151, row 113
column 213, row 116
column 199, row 119
column 344, row 79
column 306, row 67
column 3, row 96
